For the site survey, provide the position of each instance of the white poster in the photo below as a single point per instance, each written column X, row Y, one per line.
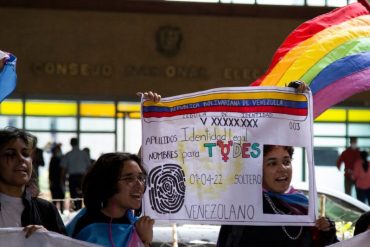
column 15, row 237
column 204, row 151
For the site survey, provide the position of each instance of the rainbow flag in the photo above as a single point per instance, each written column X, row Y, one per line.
column 330, row 53
column 8, row 77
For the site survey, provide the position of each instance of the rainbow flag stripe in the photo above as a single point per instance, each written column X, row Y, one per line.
column 331, row 53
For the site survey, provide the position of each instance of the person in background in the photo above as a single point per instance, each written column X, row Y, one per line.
column 279, row 197
column 87, row 151
column 19, row 202
column 361, row 176
column 112, row 189
column 56, row 181
column 75, row 164
column 38, row 160
column 349, row 157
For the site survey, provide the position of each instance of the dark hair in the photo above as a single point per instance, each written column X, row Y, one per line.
column 352, row 139
column 362, row 224
column 56, row 148
column 100, row 182
column 10, row 134
column 74, row 141
column 365, row 163
column 269, row 148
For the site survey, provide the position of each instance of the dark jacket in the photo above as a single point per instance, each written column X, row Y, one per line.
column 245, row 236
column 38, row 211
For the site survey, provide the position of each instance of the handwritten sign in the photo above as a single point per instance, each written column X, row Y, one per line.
column 203, row 153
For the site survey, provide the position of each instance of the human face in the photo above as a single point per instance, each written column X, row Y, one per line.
column 15, row 165
column 130, row 186
column 277, row 170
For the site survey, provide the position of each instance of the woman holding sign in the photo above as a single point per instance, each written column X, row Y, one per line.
column 113, row 188
column 19, row 204
column 279, row 197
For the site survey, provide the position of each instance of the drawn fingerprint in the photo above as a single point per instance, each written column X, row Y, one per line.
column 166, row 188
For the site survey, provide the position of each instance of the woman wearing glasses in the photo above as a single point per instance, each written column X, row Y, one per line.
column 113, row 188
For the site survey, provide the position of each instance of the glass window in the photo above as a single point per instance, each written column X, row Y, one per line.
column 363, row 142
column 329, row 142
column 38, row 123
column 45, row 141
column 133, row 135
column 206, row 1
column 281, row 2
column 97, row 124
column 315, row 3
column 326, row 156
column 337, row 3
column 329, row 129
column 51, row 123
column 297, row 162
column 120, row 134
column 97, row 143
column 64, row 139
column 13, row 121
column 239, row 1
column 340, row 210
column 359, row 130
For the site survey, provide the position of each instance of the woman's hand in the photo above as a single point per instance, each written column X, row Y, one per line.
column 30, row 229
column 300, row 86
column 150, row 96
column 144, row 227
column 324, row 224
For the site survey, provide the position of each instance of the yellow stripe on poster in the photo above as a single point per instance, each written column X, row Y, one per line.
column 232, row 96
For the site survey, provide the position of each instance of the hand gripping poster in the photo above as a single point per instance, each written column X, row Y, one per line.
column 224, row 156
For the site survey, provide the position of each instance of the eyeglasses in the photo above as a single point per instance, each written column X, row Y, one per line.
column 131, row 179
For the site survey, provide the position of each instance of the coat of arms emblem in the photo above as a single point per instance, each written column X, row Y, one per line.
column 168, row 39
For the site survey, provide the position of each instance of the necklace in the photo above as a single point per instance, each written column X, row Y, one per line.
column 278, row 211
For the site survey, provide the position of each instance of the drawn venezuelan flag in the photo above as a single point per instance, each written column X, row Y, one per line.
column 264, row 101
column 331, row 53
